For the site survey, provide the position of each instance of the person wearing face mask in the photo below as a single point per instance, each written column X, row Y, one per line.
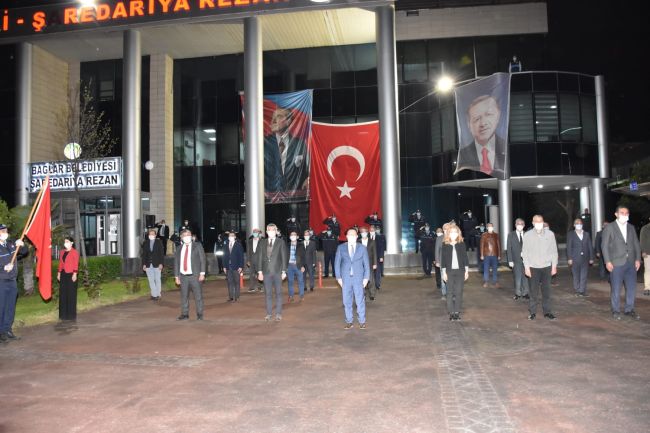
column 374, row 220
column 272, row 270
column 436, row 268
column 438, row 258
column 67, row 278
column 490, row 255
column 469, row 223
column 370, row 290
column 233, row 262
column 540, row 256
column 645, row 253
column 455, row 270
column 309, row 246
column 417, row 221
column 427, row 247
column 189, row 273
column 333, row 225
column 296, row 266
column 8, row 286
column 580, row 255
column 292, row 225
column 514, row 246
column 329, row 242
column 152, row 256
column 380, row 246
column 353, row 272
column 622, row 255
column 252, row 257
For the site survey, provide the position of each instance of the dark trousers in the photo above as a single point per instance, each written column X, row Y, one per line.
column 520, row 280
column 378, row 273
column 273, row 284
column 8, row 295
column 329, row 259
column 624, row 274
column 308, row 275
column 540, row 277
column 427, row 262
column 164, row 244
column 438, row 277
column 455, row 285
column 417, row 244
column 580, row 269
column 602, row 270
column 191, row 282
column 253, row 282
column 67, row 297
column 233, row 283
column 471, row 242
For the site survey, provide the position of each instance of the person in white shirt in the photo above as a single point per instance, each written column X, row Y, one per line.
column 514, row 245
column 189, row 272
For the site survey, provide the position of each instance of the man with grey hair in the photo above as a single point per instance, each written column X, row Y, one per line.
column 539, row 253
column 514, row 246
column 189, row 272
column 272, row 264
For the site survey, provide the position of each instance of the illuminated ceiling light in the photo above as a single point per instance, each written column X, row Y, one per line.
column 210, row 130
column 212, row 139
column 320, row 1
column 566, row 188
column 486, row 195
column 540, row 186
column 553, row 107
column 444, row 84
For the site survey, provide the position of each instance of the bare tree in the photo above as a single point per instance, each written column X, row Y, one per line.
column 82, row 124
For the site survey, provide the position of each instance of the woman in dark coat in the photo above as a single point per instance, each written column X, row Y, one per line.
column 67, row 276
column 455, row 270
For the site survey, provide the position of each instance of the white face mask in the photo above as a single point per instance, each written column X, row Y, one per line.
column 271, row 234
column 152, row 238
column 438, row 233
column 364, row 235
column 4, row 236
column 578, row 226
column 453, row 236
column 418, row 214
column 334, row 219
column 293, row 238
column 539, row 226
column 469, row 214
column 187, row 239
column 307, row 237
column 520, row 228
column 490, row 229
column 623, row 218
column 352, row 239
column 67, row 245
column 293, row 220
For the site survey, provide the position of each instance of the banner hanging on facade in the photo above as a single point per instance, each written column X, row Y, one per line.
column 482, row 113
column 287, row 126
column 346, row 174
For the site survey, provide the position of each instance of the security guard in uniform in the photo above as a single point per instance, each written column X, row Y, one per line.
column 330, row 243
column 332, row 224
column 8, row 286
column 427, row 247
column 292, row 226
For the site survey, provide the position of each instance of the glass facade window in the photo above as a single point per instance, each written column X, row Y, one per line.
column 570, row 117
column 546, row 119
column 521, row 118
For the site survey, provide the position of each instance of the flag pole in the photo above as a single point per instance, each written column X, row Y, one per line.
column 31, row 214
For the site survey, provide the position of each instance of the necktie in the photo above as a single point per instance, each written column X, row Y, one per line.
column 306, row 244
column 282, row 147
column 269, row 249
column 185, row 258
column 485, row 165
column 351, row 251
column 230, row 248
column 521, row 239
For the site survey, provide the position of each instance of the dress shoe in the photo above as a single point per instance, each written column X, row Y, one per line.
column 372, row 298
column 362, row 326
column 183, row 317
column 278, row 317
column 516, row 297
column 4, row 339
column 616, row 315
column 457, row 317
column 532, row 316
column 348, row 326
column 199, row 317
column 550, row 316
column 526, row 297
column 12, row 336
column 631, row 314
column 485, row 285
column 268, row 318
column 311, row 289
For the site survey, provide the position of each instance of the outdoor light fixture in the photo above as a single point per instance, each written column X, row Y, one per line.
column 149, row 165
column 320, row 1
column 212, row 139
column 540, row 186
column 553, row 107
column 210, row 130
column 444, row 84
column 566, row 188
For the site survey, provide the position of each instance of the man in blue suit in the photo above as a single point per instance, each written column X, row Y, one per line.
column 233, row 262
column 352, row 269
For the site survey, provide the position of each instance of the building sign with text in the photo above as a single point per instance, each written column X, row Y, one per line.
column 104, row 173
column 70, row 16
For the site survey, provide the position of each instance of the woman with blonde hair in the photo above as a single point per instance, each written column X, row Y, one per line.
column 454, row 264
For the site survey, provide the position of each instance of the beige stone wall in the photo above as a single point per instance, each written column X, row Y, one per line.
column 161, row 144
column 50, row 79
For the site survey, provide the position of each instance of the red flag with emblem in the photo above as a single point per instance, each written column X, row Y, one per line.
column 39, row 232
column 345, row 174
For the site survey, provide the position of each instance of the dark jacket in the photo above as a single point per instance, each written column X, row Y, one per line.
column 447, row 256
column 6, row 253
column 615, row 249
column 277, row 262
column 335, row 226
column 300, row 254
column 374, row 222
column 197, row 258
column 149, row 257
column 310, row 251
column 234, row 259
column 579, row 250
column 380, row 245
column 645, row 239
column 252, row 256
column 163, row 232
column 427, row 242
column 372, row 252
column 468, row 158
column 513, row 248
column 329, row 243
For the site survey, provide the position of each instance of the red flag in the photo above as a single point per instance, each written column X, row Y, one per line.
column 345, row 173
column 39, row 232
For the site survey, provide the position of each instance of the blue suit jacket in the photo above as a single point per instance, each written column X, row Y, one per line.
column 359, row 264
column 233, row 260
column 579, row 250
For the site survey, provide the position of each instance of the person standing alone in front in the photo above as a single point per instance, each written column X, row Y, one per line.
column 352, row 269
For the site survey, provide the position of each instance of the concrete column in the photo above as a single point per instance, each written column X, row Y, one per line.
column 161, row 141
column 254, row 117
column 597, row 185
column 506, row 222
column 24, row 54
column 131, row 155
column 391, row 195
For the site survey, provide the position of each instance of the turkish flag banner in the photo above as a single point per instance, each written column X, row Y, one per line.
column 39, row 232
column 345, row 174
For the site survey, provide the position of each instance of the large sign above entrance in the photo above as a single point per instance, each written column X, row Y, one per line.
column 74, row 15
column 104, row 173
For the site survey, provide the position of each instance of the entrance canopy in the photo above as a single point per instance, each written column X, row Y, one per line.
column 527, row 183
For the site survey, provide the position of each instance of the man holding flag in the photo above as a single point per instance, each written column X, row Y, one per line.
column 8, row 286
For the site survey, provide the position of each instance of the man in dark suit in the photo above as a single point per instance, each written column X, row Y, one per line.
column 580, row 255
column 152, row 256
column 353, row 271
column 189, row 270
column 330, row 242
column 622, row 255
column 285, row 157
column 309, row 245
column 233, row 263
column 417, row 221
column 598, row 248
column 296, row 266
column 427, row 247
column 487, row 152
column 272, row 269
column 371, row 247
column 163, row 234
column 380, row 246
column 252, row 257
column 514, row 245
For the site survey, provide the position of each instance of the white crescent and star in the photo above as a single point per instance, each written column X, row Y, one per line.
column 346, row 151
